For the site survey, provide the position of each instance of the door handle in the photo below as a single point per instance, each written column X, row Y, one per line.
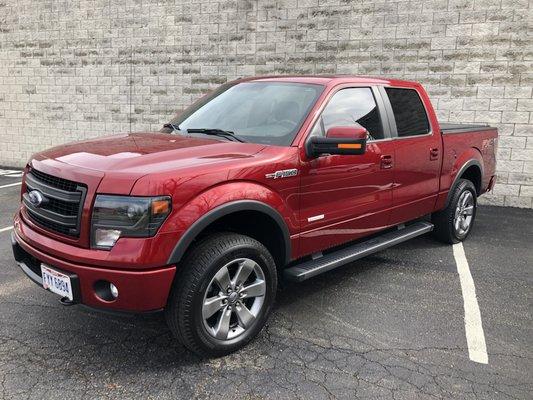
column 434, row 153
column 386, row 162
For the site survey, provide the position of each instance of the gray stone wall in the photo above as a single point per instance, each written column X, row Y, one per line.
column 76, row 69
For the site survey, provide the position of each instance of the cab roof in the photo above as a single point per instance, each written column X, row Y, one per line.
column 332, row 79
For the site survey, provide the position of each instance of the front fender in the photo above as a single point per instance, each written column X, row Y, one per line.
column 224, row 199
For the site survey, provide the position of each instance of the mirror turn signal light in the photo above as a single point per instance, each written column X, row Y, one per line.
column 349, row 145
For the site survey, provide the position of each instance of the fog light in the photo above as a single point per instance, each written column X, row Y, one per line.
column 105, row 290
column 114, row 290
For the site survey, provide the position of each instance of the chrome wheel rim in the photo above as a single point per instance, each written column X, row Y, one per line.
column 464, row 213
column 233, row 299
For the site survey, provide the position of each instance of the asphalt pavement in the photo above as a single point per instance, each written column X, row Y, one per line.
column 390, row 326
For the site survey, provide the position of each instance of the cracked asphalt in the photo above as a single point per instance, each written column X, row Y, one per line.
column 388, row 326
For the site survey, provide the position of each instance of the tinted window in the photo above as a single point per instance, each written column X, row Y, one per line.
column 409, row 112
column 259, row 112
column 351, row 107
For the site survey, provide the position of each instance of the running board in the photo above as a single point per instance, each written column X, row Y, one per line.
column 308, row 269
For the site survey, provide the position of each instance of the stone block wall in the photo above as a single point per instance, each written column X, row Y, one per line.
column 77, row 69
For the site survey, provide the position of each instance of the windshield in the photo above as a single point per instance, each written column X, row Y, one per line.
column 257, row 112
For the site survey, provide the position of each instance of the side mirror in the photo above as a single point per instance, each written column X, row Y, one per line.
column 346, row 140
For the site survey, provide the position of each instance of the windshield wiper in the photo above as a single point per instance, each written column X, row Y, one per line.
column 216, row 132
column 172, row 127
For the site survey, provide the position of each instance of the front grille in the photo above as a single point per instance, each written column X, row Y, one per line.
column 61, row 206
column 59, row 183
column 53, row 226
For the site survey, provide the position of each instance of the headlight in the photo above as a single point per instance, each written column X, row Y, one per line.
column 122, row 216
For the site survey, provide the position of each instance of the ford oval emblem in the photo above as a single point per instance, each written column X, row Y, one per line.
column 36, row 198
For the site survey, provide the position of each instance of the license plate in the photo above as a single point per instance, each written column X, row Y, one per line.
column 56, row 282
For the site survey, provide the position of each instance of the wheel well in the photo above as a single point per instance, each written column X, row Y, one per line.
column 473, row 174
column 255, row 224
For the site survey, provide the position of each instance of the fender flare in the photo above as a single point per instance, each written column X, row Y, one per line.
column 465, row 166
column 240, row 205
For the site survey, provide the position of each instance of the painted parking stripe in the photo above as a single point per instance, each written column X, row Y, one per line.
column 475, row 338
column 8, row 171
column 10, row 184
column 6, row 229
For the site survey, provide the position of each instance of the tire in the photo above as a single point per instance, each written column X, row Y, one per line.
column 221, row 260
column 455, row 222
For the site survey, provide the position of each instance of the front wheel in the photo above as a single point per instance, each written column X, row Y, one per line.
column 454, row 223
column 224, row 295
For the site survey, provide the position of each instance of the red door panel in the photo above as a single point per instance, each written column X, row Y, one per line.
column 418, row 153
column 345, row 197
column 416, row 178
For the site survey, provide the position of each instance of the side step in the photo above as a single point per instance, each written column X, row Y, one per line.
column 308, row 269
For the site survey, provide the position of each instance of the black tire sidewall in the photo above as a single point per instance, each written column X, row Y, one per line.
column 256, row 252
column 463, row 186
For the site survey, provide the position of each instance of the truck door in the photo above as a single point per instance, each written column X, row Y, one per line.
column 418, row 154
column 344, row 197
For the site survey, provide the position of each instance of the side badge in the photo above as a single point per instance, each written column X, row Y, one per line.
column 284, row 173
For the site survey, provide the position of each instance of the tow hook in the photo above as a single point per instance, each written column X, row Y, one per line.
column 66, row 301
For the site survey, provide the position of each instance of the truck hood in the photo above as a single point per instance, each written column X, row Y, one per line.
column 139, row 154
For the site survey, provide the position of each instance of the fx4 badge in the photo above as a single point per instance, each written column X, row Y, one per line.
column 284, row 173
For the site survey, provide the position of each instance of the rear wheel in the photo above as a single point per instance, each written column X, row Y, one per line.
column 224, row 296
column 454, row 223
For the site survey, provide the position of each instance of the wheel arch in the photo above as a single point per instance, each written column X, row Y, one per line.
column 236, row 214
column 471, row 170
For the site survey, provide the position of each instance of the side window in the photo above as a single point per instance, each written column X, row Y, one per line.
column 409, row 112
column 351, row 107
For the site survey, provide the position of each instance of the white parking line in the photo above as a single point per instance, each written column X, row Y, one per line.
column 8, row 171
column 11, row 184
column 475, row 338
column 6, row 229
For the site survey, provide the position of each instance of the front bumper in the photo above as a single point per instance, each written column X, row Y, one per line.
column 139, row 291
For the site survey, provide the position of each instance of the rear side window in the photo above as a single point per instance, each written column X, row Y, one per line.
column 409, row 112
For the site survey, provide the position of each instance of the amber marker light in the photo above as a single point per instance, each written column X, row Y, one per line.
column 349, row 145
column 160, row 206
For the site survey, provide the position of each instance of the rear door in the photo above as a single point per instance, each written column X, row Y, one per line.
column 418, row 154
column 344, row 197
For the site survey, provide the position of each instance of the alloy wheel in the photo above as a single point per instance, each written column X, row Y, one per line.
column 464, row 213
column 233, row 299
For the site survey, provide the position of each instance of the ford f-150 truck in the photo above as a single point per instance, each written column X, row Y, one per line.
column 261, row 180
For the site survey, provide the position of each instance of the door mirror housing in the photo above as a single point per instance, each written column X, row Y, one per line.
column 347, row 132
column 342, row 140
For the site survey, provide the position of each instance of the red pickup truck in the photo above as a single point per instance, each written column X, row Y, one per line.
column 262, row 179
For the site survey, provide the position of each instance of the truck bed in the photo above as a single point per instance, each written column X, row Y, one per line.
column 449, row 128
column 462, row 142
